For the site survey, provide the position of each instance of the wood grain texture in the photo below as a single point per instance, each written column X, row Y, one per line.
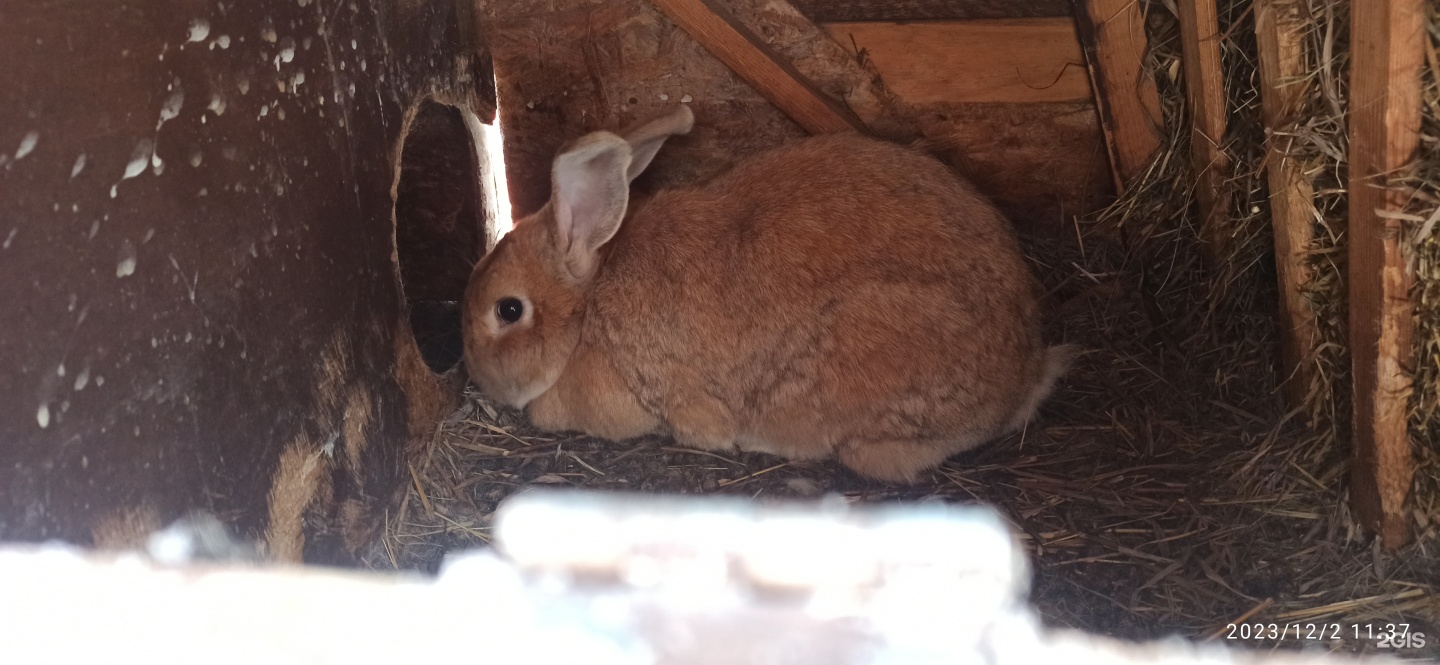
column 585, row 65
column 1040, row 163
column 733, row 44
column 1205, row 94
column 1004, row 60
column 1279, row 31
column 1386, row 42
column 826, row 11
column 1113, row 35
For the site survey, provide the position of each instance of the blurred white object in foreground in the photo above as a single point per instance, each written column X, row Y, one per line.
column 589, row 578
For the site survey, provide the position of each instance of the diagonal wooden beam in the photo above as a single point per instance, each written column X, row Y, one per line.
column 1387, row 45
column 736, row 46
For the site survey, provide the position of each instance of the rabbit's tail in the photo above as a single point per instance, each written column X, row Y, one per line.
column 1057, row 361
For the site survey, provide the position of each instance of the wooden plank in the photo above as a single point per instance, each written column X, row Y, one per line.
column 1387, row 45
column 733, row 44
column 1280, row 33
column 1205, row 94
column 829, row 11
column 1113, row 35
column 1041, row 164
column 1002, row 60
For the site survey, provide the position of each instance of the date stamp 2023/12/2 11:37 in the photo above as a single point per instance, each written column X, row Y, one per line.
column 1398, row 637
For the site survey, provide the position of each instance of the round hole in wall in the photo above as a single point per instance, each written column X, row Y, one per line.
column 441, row 225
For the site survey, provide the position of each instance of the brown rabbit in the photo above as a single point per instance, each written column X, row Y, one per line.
column 836, row 296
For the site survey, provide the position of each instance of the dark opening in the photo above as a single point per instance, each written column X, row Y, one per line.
column 439, row 227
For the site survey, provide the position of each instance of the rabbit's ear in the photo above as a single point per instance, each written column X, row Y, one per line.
column 645, row 139
column 589, row 197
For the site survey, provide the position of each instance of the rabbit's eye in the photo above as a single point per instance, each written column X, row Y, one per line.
column 509, row 309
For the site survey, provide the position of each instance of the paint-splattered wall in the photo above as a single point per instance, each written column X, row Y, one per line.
column 200, row 298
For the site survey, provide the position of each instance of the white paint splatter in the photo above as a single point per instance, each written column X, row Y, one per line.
column 82, row 379
column 196, row 157
column 99, row 381
column 687, row 99
column 264, row 111
column 287, row 50
column 79, row 165
column 362, row 65
column 60, row 371
column 296, row 80
column 268, row 34
column 94, row 228
column 43, row 416
column 126, row 266
column 199, row 30
column 114, row 191
column 173, row 103
column 217, row 105
column 27, row 144
column 664, row 97
column 244, row 85
column 139, row 157
column 9, row 238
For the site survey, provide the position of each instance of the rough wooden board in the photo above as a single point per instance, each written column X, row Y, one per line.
column 1113, row 34
column 825, row 11
column 1386, row 38
column 261, row 318
column 1041, row 163
column 737, row 47
column 1205, row 94
column 589, row 65
column 1279, row 28
column 1004, row 60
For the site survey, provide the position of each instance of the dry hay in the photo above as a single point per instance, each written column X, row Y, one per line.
column 1164, row 489
column 1424, row 253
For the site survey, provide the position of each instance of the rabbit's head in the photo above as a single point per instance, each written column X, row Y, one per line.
column 526, row 299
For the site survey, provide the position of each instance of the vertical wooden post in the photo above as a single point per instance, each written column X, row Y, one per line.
column 1387, row 55
column 1280, row 33
column 1113, row 34
column 1205, row 93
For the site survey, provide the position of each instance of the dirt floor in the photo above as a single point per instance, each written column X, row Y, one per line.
column 1161, row 491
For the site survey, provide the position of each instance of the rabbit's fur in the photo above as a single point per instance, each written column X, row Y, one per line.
column 836, row 296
